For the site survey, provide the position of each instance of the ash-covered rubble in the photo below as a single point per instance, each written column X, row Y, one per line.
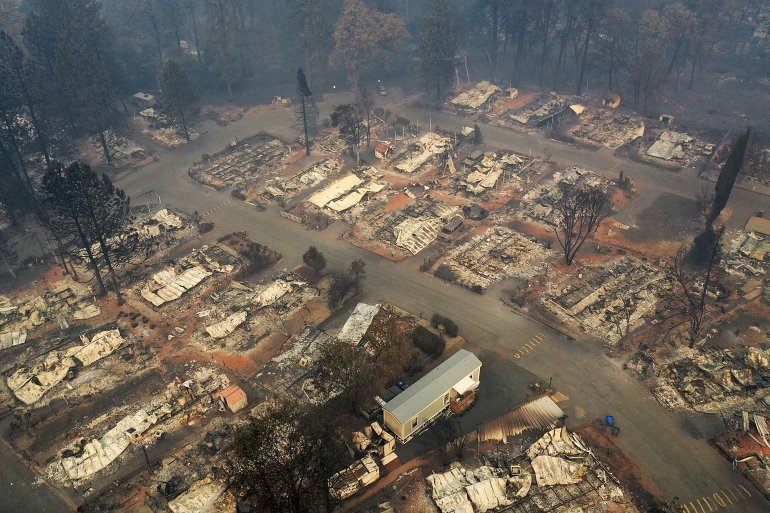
column 240, row 163
column 711, row 380
column 540, row 201
column 174, row 281
column 294, row 371
column 283, row 189
column 421, row 152
column 496, row 254
column 611, row 299
column 66, row 300
column 559, row 472
column 114, row 434
column 239, row 316
column 493, row 169
column 30, row 382
column 413, row 228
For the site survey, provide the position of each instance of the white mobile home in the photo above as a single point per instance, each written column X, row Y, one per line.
column 415, row 407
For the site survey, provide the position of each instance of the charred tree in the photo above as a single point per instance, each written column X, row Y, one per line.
column 578, row 211
column 306, row 113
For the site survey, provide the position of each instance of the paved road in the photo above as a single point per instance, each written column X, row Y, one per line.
column 673, row 448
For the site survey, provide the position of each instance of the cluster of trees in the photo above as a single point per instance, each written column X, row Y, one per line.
column 60, row 79
column 343, row 282
column 636, row 46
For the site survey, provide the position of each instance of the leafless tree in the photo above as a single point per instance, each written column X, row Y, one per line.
column 579, row 209
column 686, row 303
column 621, row 313
column 704, row 199
column 448, row 439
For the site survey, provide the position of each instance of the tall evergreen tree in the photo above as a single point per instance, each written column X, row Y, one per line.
column 727, row 177
column 306, row 111
column 72, row 51
column 179, row 97
column 91, row 215
column 15, row 89
column 438, row 45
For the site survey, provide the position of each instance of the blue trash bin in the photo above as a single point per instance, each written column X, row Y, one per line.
column 610, row 420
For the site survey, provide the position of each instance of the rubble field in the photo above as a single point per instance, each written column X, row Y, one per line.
column 610, row 128
column 162, row 129
column 236, row 318
column 397, row 234
column 558, row 472
column 284, row 189
column 496, row 254
column 416, row 157
column 539, row 201
column 668, row 147
column 534, row 113
column 241, row 163
column 610, row 300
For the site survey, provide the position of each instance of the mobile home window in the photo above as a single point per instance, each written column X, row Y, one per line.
column 414, row 423
column 446, row 399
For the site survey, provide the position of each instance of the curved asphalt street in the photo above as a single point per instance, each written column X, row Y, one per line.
column 671, row 447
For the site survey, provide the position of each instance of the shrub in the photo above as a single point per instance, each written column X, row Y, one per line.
column 414, row 365
column 235, row 193
column 478, row 289
column 450, row 328
column 444, row 272
column 428, row 341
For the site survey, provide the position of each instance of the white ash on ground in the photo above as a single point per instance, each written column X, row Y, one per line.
column 497, row 254
column 610, row 300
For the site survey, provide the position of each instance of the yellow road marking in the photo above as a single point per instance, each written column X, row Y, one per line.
column 717, row 501
column 528, row 346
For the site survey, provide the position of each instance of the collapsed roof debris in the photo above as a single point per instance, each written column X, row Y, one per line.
column 224, row 328
column 162, row 219
column 541, row 108
column 540, row 200
column 241, row 161
column 474, row 98
column 241, row 315
column 539, row 413
column 200, row 497
column 166, row 285
column 494, row 255
column 611, row 299
column 485, row 172
column 358, row 323
column 19, row 318
column 294, row 370
column 31, row 382
column 121, row 148
column 567, row 477
column 89, row 455
column 421, row 152
column 459, row 490
column 412, row 228
column 359, row 474
column 170, row 284
column 285, row 188
column 714, row 380
column 679, row 147
column 416, row 232
column 608, row 128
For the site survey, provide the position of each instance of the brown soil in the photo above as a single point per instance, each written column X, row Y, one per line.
column 397, row 202
column 632, row 477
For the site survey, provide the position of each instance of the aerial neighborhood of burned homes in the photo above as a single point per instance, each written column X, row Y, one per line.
column 486, row 295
